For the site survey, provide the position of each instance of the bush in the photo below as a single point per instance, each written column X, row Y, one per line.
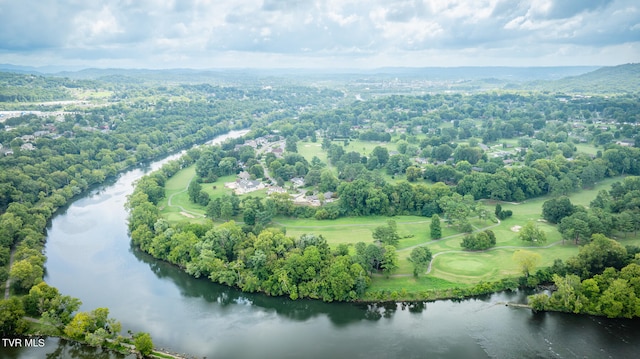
column 480, row 241
column 143, row 343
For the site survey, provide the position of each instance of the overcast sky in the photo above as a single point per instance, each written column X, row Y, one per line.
column 318, row 33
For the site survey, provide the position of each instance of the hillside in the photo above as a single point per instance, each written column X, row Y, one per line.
column 611, row 79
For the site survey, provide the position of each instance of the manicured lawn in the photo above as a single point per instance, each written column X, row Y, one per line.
column 359, row 229
column 411, row 284
column 181, row 207
column 366, row 147
column 588, row 148
column 310, row 149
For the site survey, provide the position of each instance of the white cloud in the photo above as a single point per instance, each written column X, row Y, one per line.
column 298, row 33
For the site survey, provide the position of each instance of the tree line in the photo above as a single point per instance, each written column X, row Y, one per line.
column 603, row 279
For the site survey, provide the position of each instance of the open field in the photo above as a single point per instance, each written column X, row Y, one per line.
column 411, row 284
column 359, row 229
column 310, row 149
column 176, row 206
column 588, row 148
column 366, row 147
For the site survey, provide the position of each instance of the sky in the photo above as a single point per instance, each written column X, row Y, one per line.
column 318, row 33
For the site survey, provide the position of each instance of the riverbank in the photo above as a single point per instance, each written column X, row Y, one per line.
column 39, row 331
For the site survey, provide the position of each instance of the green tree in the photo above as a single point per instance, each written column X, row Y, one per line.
column 328, row 181
column 554, row 210
column 565, row 298
column 387, row 234
column 480, row 241
column 194, row 190
column 457, row 209
column 25, row 275
column 435, row 228
column 574, row 228
column 624, row 222
column 596, row 256
column 381, row 154
column 291, row 144
column 531, row 233
column 420, row 257
column 143, row 343
column 389, row 260
column 498, row 210
column 527, row 261
column 413, row 173
column 442, row 152
column 226, row 210
column 538, row 302
column 39, row 299
column 60, row 311
column 78, row 326
column 12, row 317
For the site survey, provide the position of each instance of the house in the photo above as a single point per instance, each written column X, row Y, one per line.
column 278, row 151
column 41, row 133
column 242, row 186
column 625, row 143
column 298, row 181
column 28, row 147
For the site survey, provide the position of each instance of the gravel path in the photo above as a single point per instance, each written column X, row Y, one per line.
column 8, row 284
column 169, row 204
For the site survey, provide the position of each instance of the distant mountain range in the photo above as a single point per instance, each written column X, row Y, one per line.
column 49, row 70
column 571, row 79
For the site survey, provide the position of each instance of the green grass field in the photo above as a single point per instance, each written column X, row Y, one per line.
column 310, row 149
column 588, row 148
column 181, row 208
column 352, row 230
column 366, row 147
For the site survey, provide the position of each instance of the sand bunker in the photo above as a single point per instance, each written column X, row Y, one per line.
column 516, row 228
column 188, row 215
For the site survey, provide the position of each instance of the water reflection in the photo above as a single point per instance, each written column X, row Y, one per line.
column 55, row 348
column 340, row 314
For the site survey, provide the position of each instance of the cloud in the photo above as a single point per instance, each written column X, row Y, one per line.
column 562, row 9
column 183, row 33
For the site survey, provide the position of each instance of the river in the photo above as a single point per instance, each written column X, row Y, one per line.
column 90, row 257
